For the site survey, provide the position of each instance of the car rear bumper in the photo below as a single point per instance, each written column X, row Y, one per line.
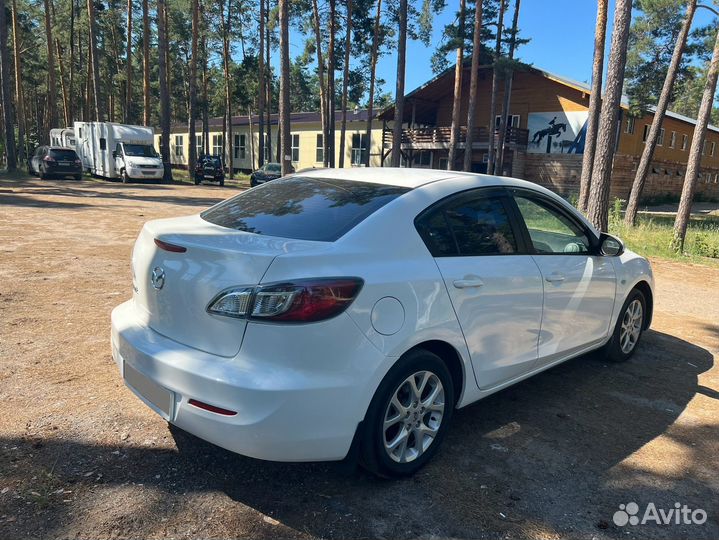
column 286, row 409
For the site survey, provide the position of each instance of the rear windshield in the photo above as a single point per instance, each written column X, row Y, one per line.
column 64, row 155
column 302, row 208
column 273, row 168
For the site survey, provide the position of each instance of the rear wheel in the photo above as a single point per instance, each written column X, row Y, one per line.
column 222, row 181
column 78, row 177
column 43, row 175
column 408, row 416
column 629, row 328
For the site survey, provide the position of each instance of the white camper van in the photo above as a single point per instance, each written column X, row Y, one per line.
column 118, row 151
column 64, row 137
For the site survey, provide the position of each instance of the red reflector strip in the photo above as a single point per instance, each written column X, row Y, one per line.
column 170, row 247
column 211, row 408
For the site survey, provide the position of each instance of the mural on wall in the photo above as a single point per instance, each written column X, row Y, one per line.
column 558, row 132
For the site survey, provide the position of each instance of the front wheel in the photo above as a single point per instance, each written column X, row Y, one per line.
column 125, row 178
column 408, row 416
column 629, row 328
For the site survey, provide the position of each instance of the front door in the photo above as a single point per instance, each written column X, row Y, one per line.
column 495, row 288
column 579, row 285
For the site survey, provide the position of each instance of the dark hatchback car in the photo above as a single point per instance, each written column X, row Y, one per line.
column 210, row 168
column 53, row 161
column 269, row 171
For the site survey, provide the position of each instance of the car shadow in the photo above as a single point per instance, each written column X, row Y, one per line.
column 554, row 455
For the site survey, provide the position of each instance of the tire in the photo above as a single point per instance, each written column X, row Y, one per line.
column 624, row 343
column 78, row 177
column 125, row 178
column 197, row 180
column 435, row 384
column 42, row 175
column 222, row 181
column 252, row 182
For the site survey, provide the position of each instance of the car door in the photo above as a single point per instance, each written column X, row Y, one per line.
column 579, row 283
column 494, row 285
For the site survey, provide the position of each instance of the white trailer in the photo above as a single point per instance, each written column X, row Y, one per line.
column 64, row 137
column 118, row 151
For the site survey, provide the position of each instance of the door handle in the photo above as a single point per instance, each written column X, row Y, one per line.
column 555, row 277
column 467, row 283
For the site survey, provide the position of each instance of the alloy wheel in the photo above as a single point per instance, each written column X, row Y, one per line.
column 631, row 326
column 413, row 416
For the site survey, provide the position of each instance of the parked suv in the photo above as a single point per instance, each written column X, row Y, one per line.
column 49, row 161
column 210, row 168
column 269, row 171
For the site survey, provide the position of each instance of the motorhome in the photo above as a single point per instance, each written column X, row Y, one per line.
column 113, row 150
column 64, row 137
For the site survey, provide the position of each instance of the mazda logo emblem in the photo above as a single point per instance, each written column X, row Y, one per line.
column 158, row 278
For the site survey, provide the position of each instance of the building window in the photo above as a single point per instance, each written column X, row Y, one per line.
column 320, row 149
column 646, row 133
column 711, row 148
column 673, row 139
column 629, row 128
column 685, row 141
column 295, row 147
column 359, row 148
column 267, row 149
column 660, row 140
column 512, row 120
column 217, row 145
column 178, row 145
column 198, row 145
column 240, row 146
column 704, row 148
column 423, row 159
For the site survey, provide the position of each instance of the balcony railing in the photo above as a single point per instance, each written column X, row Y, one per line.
column 439, row 137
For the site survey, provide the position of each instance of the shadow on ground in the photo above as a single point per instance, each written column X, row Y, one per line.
column 545, row 457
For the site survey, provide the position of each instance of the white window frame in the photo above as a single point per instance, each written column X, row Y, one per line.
column 320, row 148
column 685, row 141
column 179, row 150
column 514, row 120
column 711, row 148
column 217, row 144
column 629, row 128
column 199, row 149
column 239, row 150
column 645, row 134
column 660, row 139
column 357, row 153
column 295, row 147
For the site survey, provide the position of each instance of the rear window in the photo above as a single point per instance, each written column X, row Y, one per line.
column 302, row 208
column 64, row 155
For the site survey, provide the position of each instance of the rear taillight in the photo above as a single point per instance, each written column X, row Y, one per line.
column 49, row 159
column 78, row 162
column 306, row 300
column 174, row 248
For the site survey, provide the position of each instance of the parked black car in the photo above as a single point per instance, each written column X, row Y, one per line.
column 269, row 171
column 210, row 168
column 49, row 161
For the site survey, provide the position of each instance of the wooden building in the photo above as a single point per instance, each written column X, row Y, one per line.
column 545, row 143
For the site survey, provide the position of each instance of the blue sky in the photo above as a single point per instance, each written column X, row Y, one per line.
column 561, row 32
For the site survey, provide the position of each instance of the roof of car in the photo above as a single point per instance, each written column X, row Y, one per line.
column 407, row 177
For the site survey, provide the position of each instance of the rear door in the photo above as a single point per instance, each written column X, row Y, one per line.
column 494, row 285
column 579, row 284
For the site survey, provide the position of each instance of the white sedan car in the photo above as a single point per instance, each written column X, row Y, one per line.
column 349, row 312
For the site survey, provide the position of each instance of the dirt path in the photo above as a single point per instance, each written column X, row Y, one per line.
column 552, row 457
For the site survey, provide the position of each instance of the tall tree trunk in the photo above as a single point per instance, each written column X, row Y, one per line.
column 268, row 82
column 63, row 87
column 399, row 89
column 508, row 79
column 285, row 144
column 228, row 139
column 146, row 62
column 252, row 138
column 598, row 212
column 595, row 103
column 71, row 69
column 372, row 78
column 94, row 61
column 650, row 144
column 495, row 87
column 6, row 93
column 205, row 83
column 261, row 90
column 457, row 101
column 192, row 146
column 321, row 81
column 345, row 84
column 473, row 81
column 331, row 82
column 162, row 44
column 695, row 152
column 19, row 99
column 128, row 66
column 51, row 83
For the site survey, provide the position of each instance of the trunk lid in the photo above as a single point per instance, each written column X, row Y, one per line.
column 216, row 258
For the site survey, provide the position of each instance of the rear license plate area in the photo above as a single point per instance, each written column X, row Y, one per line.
column 155, row 396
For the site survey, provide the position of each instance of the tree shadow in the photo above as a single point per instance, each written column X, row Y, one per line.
column 552, row 456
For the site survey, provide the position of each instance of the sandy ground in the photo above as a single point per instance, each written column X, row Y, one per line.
column 555, row 456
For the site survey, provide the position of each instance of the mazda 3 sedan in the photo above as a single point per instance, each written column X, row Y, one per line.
column 349, row 312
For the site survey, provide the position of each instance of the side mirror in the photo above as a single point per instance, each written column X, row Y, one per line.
column 610, row 246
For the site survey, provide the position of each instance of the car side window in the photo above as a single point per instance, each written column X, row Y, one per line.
column 550, row 231
column 468, row 227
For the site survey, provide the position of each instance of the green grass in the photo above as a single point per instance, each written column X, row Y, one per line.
column 652, row 236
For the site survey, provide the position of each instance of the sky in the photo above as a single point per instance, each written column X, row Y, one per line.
column 561, row 33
